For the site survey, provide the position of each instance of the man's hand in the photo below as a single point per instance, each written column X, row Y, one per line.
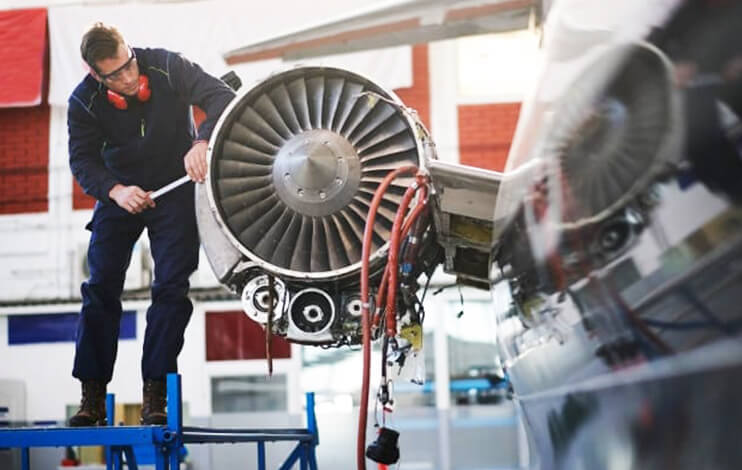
column 132, row 199
column 685, row 72
column 195, row 161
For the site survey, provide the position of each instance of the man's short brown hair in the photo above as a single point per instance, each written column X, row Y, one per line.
column 100, row 42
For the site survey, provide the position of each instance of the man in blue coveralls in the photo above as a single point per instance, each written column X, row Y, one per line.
column 131, row 131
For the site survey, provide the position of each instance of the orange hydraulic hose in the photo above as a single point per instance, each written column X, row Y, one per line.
column 381, row 297
column 391, row 298
column 422, row 204
column 365, row 319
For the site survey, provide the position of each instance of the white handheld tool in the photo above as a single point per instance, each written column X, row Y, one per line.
column 169, row 187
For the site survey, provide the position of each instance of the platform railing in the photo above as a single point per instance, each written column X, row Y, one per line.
column 119, row 441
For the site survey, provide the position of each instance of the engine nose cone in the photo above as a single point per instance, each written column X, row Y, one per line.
column 317, row 172
column 314, row 166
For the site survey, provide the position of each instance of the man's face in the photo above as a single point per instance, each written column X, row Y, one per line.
column 119, row 73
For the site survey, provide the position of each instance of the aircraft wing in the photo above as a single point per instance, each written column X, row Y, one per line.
column 393, row 23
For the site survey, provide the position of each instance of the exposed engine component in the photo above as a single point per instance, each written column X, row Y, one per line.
column 256, row 298
column 311, row 313
column 293, row 166
column 464, row 203
column 353, row 306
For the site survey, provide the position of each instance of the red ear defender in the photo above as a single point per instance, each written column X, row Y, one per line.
column 144, row 92
column 118, row 101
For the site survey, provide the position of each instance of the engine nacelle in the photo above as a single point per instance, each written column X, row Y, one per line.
column 293, row 166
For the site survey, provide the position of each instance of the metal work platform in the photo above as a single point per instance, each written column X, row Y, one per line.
column 119, row 441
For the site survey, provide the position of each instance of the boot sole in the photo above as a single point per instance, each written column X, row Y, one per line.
column 154, row 421
column 86, row 424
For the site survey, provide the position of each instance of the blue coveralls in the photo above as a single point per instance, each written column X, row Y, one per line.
column 143, row 145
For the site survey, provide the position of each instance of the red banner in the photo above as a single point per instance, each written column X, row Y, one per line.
column 22, row 57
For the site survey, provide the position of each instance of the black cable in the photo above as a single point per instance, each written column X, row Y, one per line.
column 461, row 299
column 425, row 289
column 420, row 310
column 703, row 309
column 442, row 288
column 384, row 351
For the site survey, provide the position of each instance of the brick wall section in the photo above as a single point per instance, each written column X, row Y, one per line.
column 80, row 200
column 417, row 96
column 24, row 153
column 486, row 132
column 24, row 159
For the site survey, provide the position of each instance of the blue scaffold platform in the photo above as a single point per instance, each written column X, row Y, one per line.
column 165, row 441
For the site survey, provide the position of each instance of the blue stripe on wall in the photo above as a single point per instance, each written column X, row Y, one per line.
column 58, row 327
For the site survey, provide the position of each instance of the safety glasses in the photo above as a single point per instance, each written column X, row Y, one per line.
column 118, row 73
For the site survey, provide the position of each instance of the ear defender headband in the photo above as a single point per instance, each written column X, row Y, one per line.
column 119, row 101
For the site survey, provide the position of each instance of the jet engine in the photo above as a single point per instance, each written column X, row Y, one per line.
column 293, row 167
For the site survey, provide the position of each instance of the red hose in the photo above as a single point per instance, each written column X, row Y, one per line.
column 381, row 297
column 365, row 320
column 422, row 204
column 391, row 299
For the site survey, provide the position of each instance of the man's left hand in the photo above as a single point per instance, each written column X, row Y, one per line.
column 195, row 161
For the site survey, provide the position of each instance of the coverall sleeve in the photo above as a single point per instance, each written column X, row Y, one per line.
column 198, row 87
column 85, row 145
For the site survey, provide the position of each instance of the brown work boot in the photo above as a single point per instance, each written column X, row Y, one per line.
column 92, row 410
column 153, row 402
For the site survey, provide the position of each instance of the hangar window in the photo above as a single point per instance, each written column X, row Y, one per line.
column 250, row 393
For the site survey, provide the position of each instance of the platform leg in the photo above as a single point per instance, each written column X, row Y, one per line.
column 110, row 409
column 131, row 460
column 174, row 405
column 312, row 427
column 108, row 451
column 261, row 455
column 292, row 458
column 174, row 459
column 304, row 456
column 311, row 417
column 161, row 462
column 174, row 418
column 25, row 458
column 312, row 458
column 116, row 457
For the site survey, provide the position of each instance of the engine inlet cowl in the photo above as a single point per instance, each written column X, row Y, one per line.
column 293, row 166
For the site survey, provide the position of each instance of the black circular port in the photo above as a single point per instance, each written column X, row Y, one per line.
column 261, row 299
column 311, row 311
